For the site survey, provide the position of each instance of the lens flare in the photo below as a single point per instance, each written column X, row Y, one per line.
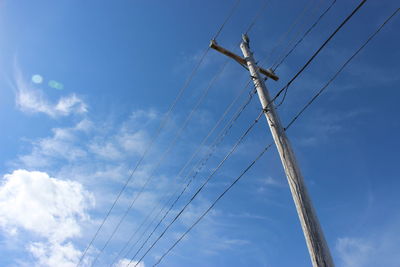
column 56, row 85
column 37, row 78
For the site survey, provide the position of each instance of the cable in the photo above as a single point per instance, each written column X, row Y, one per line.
column 249, row 28
column 297, row 33
column 187, row 163
column 203, row 162
column 215, row 202
column 318, row 51
column 286, row 128
column 341, row 68
column 260, row 11
column 159, row 130
column 202, row 186
column 233, row 9
column 305, row 34
column 322, row 46
column 161, row 159
column 285, row 34
column 226, row 131
column 223, row 133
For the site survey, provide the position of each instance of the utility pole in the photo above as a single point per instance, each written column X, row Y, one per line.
column 316, row 243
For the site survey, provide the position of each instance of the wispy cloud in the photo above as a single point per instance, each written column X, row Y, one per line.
column 354, row 252
column 379, row 247
column 32, row 100
column 322, row 125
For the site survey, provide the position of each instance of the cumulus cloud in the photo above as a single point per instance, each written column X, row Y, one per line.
column 61, row 145
column 125, row 262
column 50, row 208
column 129, row 140
column 54, row 254
column 36, row 202
column 32, row 100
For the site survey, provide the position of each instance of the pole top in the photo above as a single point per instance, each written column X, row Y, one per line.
column 245, row 38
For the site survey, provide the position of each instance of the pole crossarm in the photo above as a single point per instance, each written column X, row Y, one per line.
column 269, row 73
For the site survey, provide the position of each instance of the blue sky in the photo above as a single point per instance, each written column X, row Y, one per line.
column 67, row 151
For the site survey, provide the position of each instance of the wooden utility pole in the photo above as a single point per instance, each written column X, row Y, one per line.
column 317, row 246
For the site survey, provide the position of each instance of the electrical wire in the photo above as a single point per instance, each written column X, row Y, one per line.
column 162, row 158
column 233, row 9
column 297, row 33
column 139, row 162
column 215, row 202
column 202, row 163
column 305, row 35
column 341, row 69
column 217, row 34
column 317, row 52
column 202, row 186
column 258, row 15
column 158, row 131
column 248, row 29
column 322, row 45
column 286, row 128
column 217, row 124
column 283, row 36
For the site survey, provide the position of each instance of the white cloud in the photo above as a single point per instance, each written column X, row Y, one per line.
column 53, row 254
column 106, row 150
column 353, row 252
column 321, row 126
column 128, row 140
column 379, row 246
column 32, row 100
column 36, row 202
column 61, row 145
column 49, row 208
column 133, row 142
column 142, row 114
column 270, row 181
column 125, row 262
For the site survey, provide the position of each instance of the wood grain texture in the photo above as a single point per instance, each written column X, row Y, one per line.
column 316, row 243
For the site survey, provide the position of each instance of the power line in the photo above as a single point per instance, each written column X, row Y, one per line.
column 289, row 30
column 317, row 52
column 202, row 163
column 162, row 158
column 297, row 33
column 286, row 128
column 248, row 29
column 188, row 162
column 258, row 15
column 275, row 97
column 158, row 131
column 304, row 35
column 233, row 9
column 340, row 69
column 203, row 185
column 321, row 47
column 215, row 201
